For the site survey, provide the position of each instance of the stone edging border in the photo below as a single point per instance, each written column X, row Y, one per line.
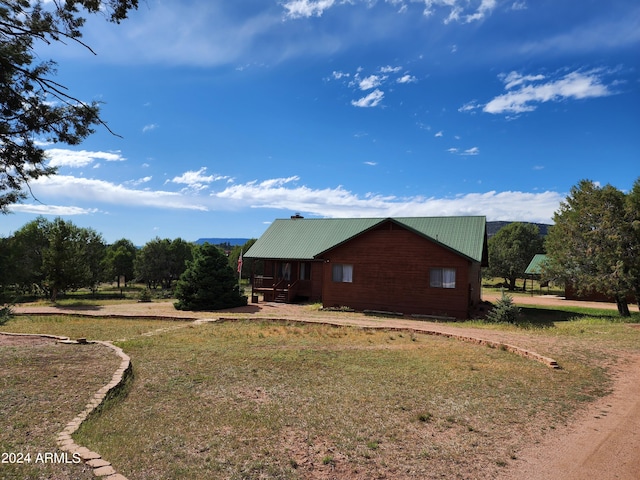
column 104, row 469
column 101, row 467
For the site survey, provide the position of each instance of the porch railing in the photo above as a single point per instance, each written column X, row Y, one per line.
column 282, row 288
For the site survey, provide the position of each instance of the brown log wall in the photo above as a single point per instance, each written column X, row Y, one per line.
column 391, row 273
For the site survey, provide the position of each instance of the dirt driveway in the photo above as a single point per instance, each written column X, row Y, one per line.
column 601, row 443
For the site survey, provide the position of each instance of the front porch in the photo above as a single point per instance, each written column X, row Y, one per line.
column 287, row 282
column 280, row 290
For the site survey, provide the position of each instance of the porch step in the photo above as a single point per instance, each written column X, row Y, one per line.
column 281, row 298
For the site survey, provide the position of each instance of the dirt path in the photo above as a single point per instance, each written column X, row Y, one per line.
column 601, row 443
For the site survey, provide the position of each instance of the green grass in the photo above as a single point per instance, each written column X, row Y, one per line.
column 247, row 400
column 290, row 400
column 602, row 327
column 91, row 328
column 41, row 389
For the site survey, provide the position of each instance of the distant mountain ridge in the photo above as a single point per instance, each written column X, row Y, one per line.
column 493, row 227
column 234, row 242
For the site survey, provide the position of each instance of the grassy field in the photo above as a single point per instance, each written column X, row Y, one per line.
column 42, row 387
column 262, row 400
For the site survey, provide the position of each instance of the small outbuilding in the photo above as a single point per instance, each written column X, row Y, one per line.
column 409, row 265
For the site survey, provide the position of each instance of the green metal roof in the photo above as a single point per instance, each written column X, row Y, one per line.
column 465, row 235
column 535, row 266
column 305, row 239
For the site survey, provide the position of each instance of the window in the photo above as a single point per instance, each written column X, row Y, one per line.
column 284, row 271
column 442, row 278
column 305, row 271
column 342, row 273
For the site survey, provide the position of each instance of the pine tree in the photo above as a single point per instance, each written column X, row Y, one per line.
column 34, row 108
column 505, row 311
column 208, row 283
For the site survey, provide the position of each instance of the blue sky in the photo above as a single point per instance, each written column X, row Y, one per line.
column 232, row 114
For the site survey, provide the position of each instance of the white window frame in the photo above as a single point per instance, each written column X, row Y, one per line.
column 442, row 278
column 342, row 272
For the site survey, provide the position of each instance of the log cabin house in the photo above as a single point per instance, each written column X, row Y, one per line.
column 411, row 265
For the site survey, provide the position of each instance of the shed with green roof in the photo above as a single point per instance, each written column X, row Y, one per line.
column 409, row 265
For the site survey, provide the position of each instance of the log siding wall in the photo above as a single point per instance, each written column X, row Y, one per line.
column 391, row 273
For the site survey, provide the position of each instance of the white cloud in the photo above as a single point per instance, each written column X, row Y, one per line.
column 286, row 194
column 278, row 182
column 54, row 210
column 470, row 106
column 205, row 34
column 485, row 8
column 471, row 151
column 61, row 157
column 306, row 8
column 371, row 100
column 513, row 79
column 140, row 181
column 407, row 79
column 604, row 34
column 439, row 134
column 371, row 164
column 519, row 5
column 93, row 191
column 463, row 11
column 454, row 14
column 149, row 128
column 467, row 153
column 531, row 92
column 196, row 180
column 339, row 202
column 372, row 81
column 390, row 69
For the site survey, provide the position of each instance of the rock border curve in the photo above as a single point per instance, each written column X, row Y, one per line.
column 101, row 467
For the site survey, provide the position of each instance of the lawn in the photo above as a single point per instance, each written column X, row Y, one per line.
column 250, row 399
column 246, row 400
column 42, row 387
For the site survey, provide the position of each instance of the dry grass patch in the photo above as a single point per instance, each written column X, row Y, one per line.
column 263, row 400
column 43, row 385
column 92, row 328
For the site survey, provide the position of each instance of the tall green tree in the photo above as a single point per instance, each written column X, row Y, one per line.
column 180, row 253
column 591, row 245
column 26, row 250
column 33, row 106
column 511, row 251
column 208, row 283
column 73, row 257
column 152, row 263
column 119, row 260
column 5, row 265
column 161, row 261
column 632, row 231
